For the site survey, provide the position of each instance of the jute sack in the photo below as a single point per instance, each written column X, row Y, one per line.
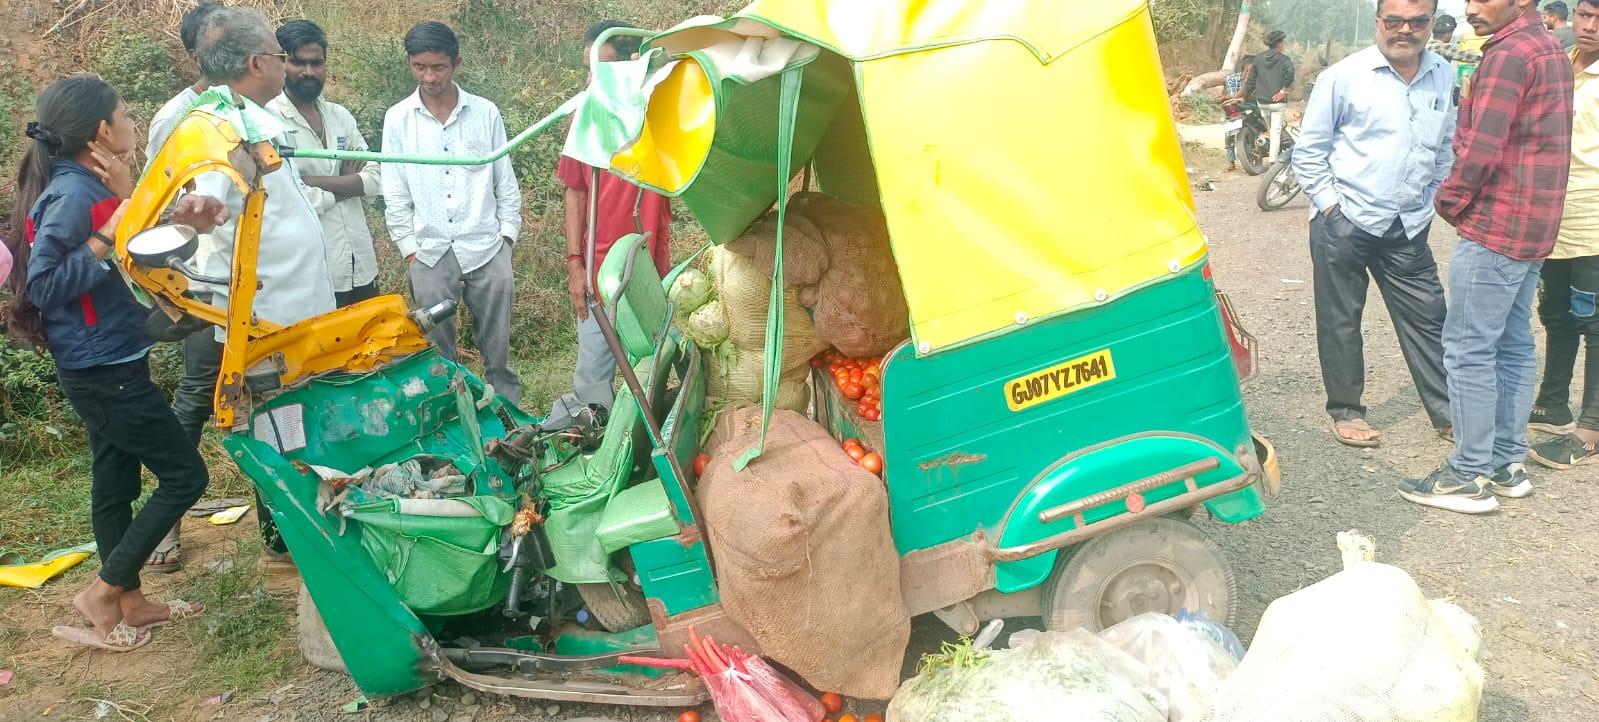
column 860, row 304
column 805, row 560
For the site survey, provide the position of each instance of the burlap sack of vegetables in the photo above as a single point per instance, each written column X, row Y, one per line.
column 724, row 312
column 805, row 561
column 860, row 305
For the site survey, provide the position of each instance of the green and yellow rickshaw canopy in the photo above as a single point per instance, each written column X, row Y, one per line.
column 1023, row 152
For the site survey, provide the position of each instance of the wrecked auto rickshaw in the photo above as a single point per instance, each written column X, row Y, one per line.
column 1068, row 394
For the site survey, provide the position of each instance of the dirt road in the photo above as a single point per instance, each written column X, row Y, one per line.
column 1529, row 573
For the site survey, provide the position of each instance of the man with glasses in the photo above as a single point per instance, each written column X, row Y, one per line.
column 1505, row 196
column 239, row 52
column 336, row 188
column 1372, row 151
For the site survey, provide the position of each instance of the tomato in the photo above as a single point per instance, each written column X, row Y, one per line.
column 692, row 716
column 856, row 453
column 853, row 391
column 863, row 409
column 699, row 464
column 874, row 717
column 853, row 442
column 817, row 362
column 873, row 414
column 832, row 702
column 872, row 383
column 872, row 463
column 847, row 718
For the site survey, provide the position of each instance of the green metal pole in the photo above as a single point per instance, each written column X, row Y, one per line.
column 510, row 145
column 380, row 157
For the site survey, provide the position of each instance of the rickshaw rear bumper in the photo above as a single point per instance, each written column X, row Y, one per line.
column 1260, row 469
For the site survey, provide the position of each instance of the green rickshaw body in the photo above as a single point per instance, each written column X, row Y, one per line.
column 1105, row 396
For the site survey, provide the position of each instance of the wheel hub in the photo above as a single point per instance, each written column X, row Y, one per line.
column 1147, row 585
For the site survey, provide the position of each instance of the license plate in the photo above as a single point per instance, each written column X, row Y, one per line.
column 1234, row 126
column 1058, row 381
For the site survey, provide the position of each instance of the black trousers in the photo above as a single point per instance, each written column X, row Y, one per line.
column 130, row 426
column 193, row 403
column 1566, row 305
column 1346, row 260
column 357, row 294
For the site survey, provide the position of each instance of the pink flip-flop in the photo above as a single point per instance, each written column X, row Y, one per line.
column 179, row 611
column 122, row 638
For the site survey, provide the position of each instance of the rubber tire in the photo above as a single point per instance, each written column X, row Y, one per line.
column 615, row 615
column 1262, row 194
column 1243, row 143
column 1071, row 595
column 316, row 645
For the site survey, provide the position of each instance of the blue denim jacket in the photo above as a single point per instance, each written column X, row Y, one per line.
column 90, row 317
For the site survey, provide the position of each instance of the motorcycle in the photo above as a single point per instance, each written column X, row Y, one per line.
column 1252, row 138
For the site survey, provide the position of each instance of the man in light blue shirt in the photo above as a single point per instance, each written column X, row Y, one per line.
column 1373, row 148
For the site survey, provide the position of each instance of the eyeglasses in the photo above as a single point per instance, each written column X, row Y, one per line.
column 279, row 55
column 1392, row 23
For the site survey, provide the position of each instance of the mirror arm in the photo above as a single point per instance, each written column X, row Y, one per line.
column 194, row 275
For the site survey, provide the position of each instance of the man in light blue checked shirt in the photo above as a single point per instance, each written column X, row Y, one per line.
column 1373, row 148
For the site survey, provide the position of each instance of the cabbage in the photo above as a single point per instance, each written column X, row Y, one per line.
column 707, row 325
column 690, row 291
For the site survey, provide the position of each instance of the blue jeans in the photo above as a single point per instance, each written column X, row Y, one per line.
column 1490, row 357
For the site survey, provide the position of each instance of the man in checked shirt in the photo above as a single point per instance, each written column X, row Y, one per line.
column 1505, row 196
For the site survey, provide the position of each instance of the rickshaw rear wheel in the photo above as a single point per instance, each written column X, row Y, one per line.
column 316, row 645
column 1160, row 565
column 615, row 613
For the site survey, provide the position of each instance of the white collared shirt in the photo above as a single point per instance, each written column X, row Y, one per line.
column 432, row 209
column 351, row 259
column 291, row 265
column 166, row 119
column 161, row 126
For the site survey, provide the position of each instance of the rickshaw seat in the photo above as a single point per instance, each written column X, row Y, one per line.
column 630, row 286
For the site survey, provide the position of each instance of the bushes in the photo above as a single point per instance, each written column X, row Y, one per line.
column 141, row 69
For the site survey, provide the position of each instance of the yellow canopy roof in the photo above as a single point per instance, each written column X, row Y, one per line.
column 1025, row 152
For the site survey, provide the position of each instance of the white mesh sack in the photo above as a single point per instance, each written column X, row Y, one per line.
column 1363, row 645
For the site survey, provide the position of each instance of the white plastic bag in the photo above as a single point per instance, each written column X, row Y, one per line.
column 1184, row 666
column 1043, row 677
column 1363, row 645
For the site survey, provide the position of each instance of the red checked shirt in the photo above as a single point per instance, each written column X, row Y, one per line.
column 1513, row 144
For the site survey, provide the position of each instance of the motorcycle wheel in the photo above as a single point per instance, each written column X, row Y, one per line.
column 1251, row 153
column 1278, row 187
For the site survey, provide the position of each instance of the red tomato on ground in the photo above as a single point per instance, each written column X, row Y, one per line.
column 872, row 463
column 699, row 464
column 854, row 391
column 832, row 702
column 692, row 716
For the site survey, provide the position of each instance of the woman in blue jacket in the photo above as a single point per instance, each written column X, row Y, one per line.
column 70, row 194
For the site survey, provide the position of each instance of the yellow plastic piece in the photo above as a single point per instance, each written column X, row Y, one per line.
column 33, row 576
column 357, row 338
column 678, row 127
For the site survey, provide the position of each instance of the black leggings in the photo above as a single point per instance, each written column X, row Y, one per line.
column 130, row 426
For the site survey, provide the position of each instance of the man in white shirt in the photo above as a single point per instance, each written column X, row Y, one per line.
column 336, row 188
column 239, row 52
column 455, row 225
